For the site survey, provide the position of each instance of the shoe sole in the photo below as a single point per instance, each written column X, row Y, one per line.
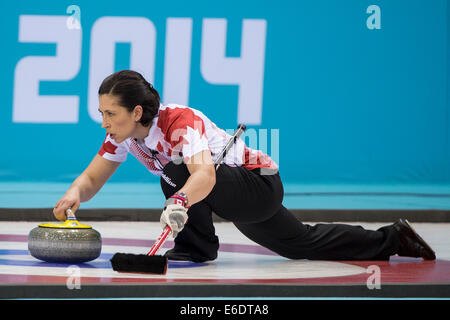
column 184, row 257
column 413, row 234
column 179, row 257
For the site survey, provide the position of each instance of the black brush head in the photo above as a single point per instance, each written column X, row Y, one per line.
column 140, row 263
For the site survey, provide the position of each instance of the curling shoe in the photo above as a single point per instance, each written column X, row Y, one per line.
column 411, row 244
column 183, row 255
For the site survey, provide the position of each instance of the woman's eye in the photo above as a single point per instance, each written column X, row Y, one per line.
column 106, row 113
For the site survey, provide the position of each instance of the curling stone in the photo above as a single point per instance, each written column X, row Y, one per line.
column 67, row 242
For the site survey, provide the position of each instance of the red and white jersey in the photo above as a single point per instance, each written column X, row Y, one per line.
column 179, row 132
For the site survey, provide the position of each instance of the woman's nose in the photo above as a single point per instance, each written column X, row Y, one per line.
column 104, row 124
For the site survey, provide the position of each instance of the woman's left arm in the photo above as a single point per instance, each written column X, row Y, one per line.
column 202, row 178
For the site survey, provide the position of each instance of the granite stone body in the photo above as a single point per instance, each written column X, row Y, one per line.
column 64, row 245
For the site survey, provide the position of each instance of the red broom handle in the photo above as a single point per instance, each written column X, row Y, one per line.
column 158, row 244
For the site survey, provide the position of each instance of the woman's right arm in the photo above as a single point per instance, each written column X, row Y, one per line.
column 86, row 185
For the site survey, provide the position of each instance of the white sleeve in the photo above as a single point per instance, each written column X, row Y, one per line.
column 196, row 142
column 190, row 141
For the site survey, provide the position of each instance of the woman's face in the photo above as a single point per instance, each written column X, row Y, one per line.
column 117, row 121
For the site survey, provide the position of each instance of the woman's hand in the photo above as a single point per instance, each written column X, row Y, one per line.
column 174, row 215
column 70, row 200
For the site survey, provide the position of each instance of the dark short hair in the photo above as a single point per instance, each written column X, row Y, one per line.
column 132, row 89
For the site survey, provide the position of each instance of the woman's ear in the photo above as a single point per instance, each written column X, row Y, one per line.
column 137, row 113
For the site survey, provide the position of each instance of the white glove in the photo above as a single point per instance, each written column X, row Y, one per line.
column 174, row 215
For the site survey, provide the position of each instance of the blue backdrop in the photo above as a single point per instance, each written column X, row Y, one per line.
column 354, row 91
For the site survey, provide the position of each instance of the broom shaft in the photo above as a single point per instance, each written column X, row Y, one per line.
column 163, row 237
column 240, row 129
column 158, row 244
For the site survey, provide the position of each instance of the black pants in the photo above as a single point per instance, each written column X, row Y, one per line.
column 253, row 202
